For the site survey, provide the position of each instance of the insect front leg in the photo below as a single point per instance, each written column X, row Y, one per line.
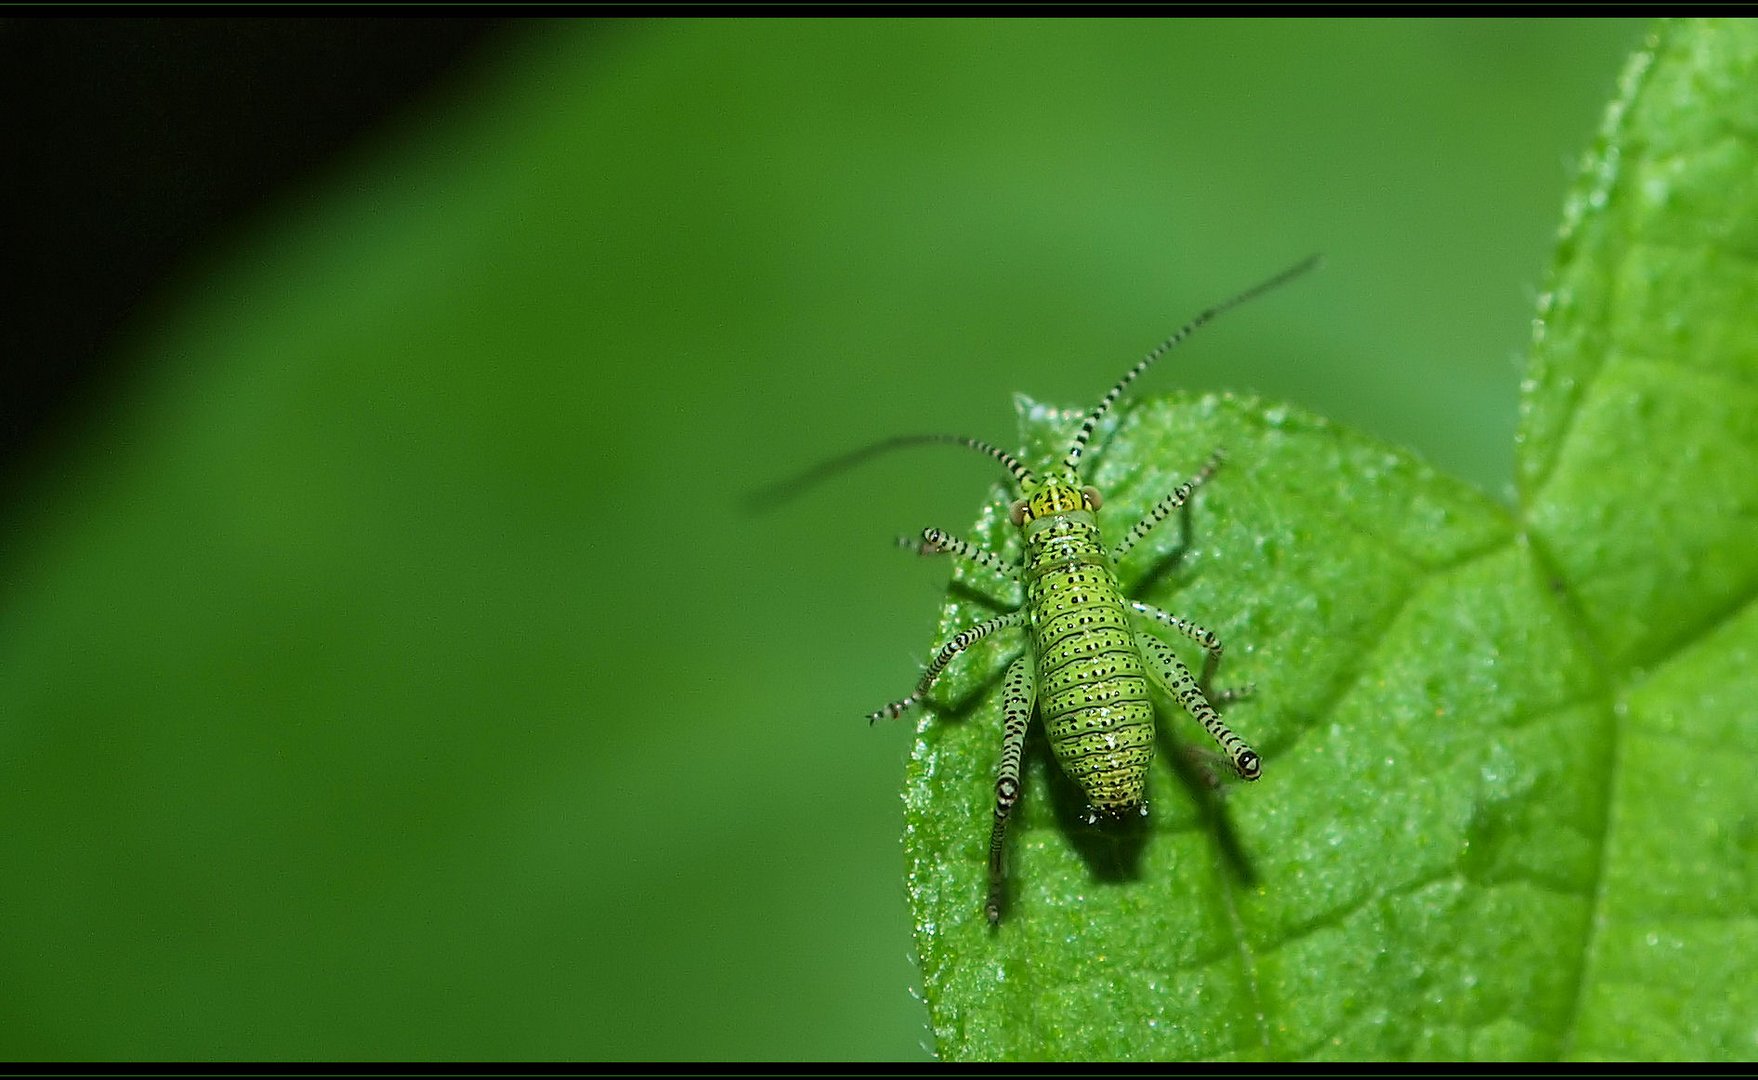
column 1171, row 673
column 962, row 641
column 934, row 542
column 1018, row 691
column 1162, row 509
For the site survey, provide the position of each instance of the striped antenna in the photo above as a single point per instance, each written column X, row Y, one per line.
column 776, row 494
column 1164, row 347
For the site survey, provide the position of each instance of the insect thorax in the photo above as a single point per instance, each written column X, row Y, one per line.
column 1062, row 539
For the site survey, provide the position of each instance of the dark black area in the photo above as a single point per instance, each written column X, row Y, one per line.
column 129, row 143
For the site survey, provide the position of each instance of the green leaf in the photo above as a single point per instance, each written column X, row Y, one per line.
column 1507, row 808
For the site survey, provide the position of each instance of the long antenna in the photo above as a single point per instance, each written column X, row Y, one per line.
column 1164, row 347
column 778, row 493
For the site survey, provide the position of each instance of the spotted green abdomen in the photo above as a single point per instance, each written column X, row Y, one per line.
column 1092, row 686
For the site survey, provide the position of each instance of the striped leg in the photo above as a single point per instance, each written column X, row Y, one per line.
column 1211, row 645
column 935, row 542
column 964, row 640
column 1164, row 507
column 1018, row 691
column 1181, row 684
column 1204, row 637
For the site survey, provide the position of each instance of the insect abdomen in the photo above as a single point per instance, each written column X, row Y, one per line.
column 1092, row 686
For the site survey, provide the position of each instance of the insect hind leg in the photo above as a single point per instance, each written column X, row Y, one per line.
column 1171, row 673
column 1019, row 690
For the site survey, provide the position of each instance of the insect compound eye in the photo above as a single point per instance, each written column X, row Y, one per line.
column 1092, row 496
column 1017, row 512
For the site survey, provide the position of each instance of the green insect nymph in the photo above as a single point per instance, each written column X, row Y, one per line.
column 1090, row 657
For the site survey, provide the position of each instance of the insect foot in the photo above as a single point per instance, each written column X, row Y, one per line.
column 1249, row 765
column 892, row 711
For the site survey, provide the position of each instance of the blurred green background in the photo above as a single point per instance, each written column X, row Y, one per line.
column 389, row 672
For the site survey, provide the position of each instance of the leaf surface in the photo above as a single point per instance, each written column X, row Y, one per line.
column 1506, row 809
